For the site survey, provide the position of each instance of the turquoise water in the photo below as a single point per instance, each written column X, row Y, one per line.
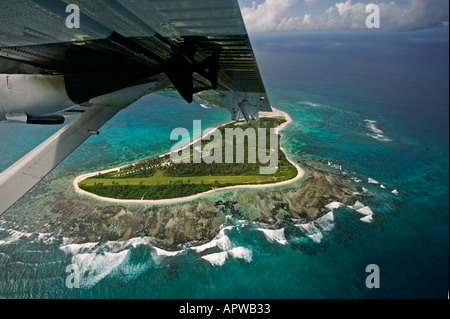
column 375, row 106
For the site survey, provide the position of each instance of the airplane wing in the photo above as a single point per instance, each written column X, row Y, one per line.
column 20, row 177
column 119, row 51
column 198, row 45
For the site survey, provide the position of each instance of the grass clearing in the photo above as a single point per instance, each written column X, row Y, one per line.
column 159, row 179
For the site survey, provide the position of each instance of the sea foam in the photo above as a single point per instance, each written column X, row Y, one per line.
column 367, row 219
column 96, row 261
column 219, row 259
column 357, row 205
column 216, row 259
column 376, row 133
column 310, row 103
column 76, row 249
column 274, row 235
column 11, row 236
column 222, row 243
column 93, row 267
column 241, row 253
column 316, row 229
column 364, row 210
column 333, row 205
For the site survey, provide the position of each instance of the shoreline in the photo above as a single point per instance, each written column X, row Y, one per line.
column 275, row 112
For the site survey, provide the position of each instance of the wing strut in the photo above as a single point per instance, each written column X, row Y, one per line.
column 20, row 177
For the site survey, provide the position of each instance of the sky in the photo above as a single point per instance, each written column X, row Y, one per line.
column 395, row 15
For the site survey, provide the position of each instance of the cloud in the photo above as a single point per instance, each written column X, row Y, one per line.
column 345, row 15
column 274, row 15
column 424, row 14
column 311, row 3
column 307, row 18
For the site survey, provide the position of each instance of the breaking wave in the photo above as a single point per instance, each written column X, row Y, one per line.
column 11, row 236
column 375, row 132
column 307, row 102
column 237, row 241
column 364, row 210
column 316, row 230
column 274, row 235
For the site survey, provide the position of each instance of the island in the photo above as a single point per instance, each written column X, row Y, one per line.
column 296, row 192
column 161, row 179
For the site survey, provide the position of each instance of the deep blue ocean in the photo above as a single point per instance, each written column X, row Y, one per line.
column 374, row 104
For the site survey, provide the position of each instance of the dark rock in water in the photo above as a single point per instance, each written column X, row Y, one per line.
column 71, row 215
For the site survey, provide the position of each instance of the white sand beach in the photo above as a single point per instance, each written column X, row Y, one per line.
column 274, row 113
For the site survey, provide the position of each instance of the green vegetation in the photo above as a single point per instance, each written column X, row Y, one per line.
column 160, row 178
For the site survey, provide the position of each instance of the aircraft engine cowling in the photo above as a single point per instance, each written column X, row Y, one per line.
column 33, row 98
